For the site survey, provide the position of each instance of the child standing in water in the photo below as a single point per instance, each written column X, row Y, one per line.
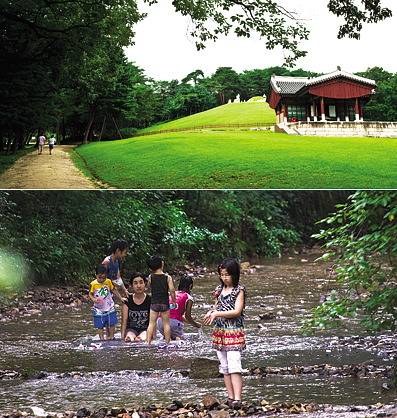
column 101, row 290
column 184, row 303
column 118, row 252
column 161, row 284
column 228, row 335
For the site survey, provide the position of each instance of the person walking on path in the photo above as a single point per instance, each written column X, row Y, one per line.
column 41, row 144
column 51, row 143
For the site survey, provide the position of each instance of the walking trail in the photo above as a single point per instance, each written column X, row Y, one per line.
column 45, row 171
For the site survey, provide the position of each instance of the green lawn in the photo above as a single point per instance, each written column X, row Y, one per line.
column 255, row 112
column 243, row 159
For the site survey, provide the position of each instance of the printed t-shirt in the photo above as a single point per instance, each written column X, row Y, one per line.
column 138, row 315
column 103, row 289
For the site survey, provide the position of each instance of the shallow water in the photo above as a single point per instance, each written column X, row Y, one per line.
column 120, row 374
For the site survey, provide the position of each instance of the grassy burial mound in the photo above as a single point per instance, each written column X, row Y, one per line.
column 252, row 112
column 240, row 159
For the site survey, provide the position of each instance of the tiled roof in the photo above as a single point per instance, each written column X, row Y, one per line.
column 340, row 73
column 287, row 85
column 292, row 85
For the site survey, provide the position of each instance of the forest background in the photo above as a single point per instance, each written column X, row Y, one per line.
column 60, row 236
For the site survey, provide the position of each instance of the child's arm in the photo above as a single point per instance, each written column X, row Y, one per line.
column 149, row 282
column 188, row 315
column 238, row 308
column 127, row 293
column 116, row 292
column 124, row 315
column 171, row 289
column 91, row 295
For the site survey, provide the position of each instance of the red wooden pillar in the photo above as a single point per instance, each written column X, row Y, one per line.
column 346, row 111
column 322, row 110
column 357, row 110
column 308, row 112
column 314, row 110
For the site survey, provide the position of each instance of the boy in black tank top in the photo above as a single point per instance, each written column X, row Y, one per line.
column 161, row 284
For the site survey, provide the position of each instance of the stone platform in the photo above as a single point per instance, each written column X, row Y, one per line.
column 343, row 129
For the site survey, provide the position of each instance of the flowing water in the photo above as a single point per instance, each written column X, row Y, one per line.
column 62, row 342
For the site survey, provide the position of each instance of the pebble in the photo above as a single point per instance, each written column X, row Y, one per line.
column 211, row 407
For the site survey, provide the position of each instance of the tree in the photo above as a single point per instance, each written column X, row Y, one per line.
column 211, row 18
column 193, row 76
column 376, row 108
column 363, row 232
column 226, row 82
column 40, row 41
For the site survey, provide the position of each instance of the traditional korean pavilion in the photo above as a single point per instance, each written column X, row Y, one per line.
column 337, row 96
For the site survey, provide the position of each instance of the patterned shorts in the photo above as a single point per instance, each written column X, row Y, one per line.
column 159, row 307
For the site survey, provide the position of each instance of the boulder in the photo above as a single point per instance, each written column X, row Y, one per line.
column 210, row 402
column 38, row 412
column 204, row 368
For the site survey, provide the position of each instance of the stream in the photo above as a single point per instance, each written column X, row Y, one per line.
column 81, row 371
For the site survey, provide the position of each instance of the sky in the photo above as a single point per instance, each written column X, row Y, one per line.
column 164, row 50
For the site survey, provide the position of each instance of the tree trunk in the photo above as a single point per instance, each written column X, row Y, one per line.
column 91, row 117
column 9, row 144
column 57, row 132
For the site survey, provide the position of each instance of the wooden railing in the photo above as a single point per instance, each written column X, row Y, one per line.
column 194, row 128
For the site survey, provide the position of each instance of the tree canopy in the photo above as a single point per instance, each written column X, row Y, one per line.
column 62, row 235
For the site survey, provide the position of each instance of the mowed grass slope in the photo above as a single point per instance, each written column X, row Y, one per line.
column 253, row 112
column 242, row 160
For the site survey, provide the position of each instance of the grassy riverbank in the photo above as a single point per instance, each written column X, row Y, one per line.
column 243, row 159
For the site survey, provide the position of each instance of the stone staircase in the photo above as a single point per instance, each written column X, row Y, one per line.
column 343, row 129
column 286, row 128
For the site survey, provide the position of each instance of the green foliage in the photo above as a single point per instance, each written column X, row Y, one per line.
column 355, row 16
column 364, row 233
column 60, row 236
column 383, row 104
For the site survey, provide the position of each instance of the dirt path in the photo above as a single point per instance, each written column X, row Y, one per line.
column 46, row 171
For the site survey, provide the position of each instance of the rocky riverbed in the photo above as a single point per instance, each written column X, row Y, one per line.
column 210, row 407
column 33, row 303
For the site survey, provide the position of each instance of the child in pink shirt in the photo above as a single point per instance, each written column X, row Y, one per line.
column 184, row 303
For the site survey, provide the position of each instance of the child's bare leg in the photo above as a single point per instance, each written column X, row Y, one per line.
column 100, row 333
column 229, row 386
column 110, row 335
column 152, row 323
column 166, row 325
column 237, row 384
